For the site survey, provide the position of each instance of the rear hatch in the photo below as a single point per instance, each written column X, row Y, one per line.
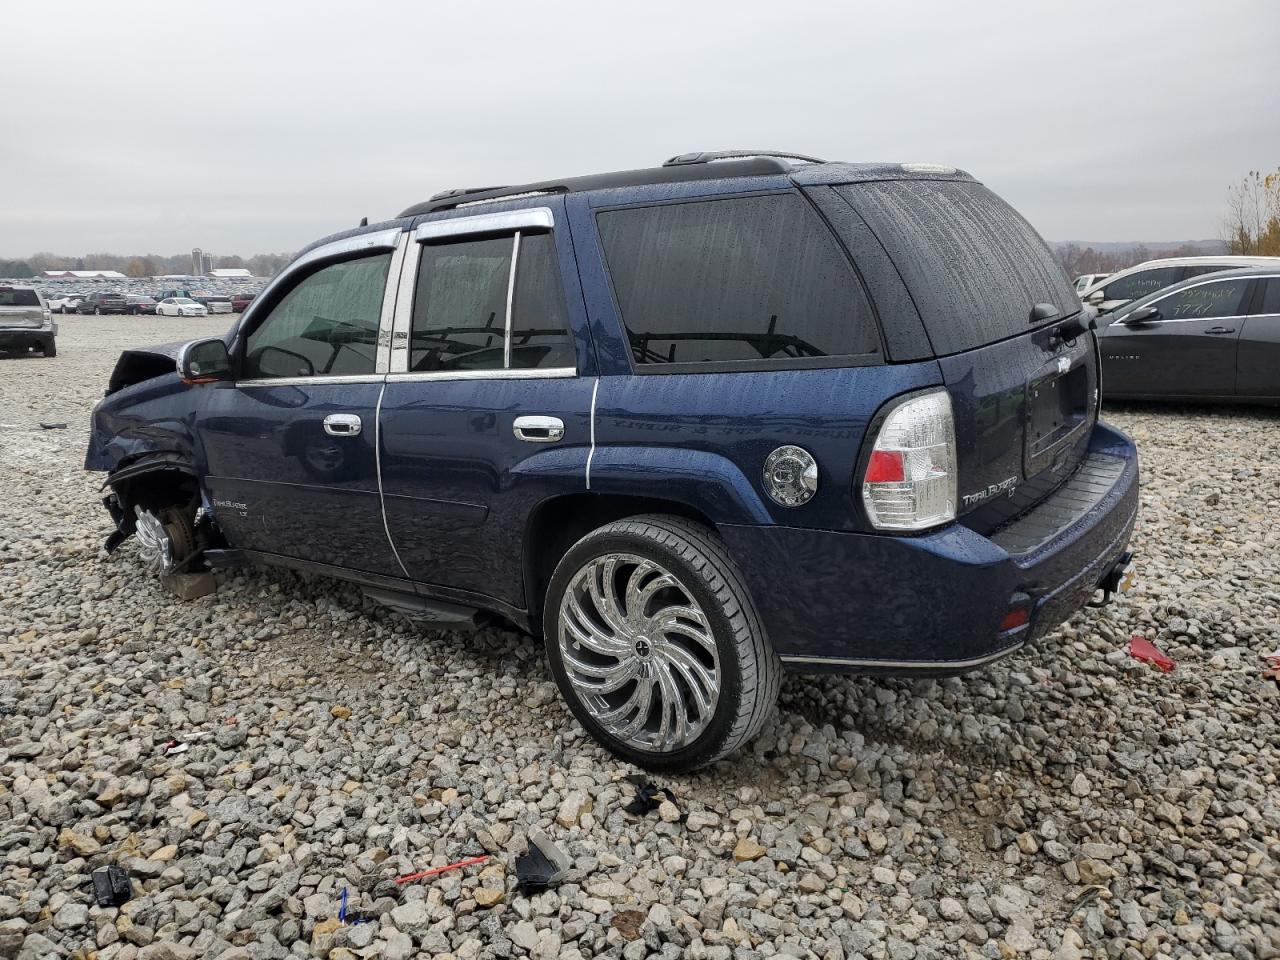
column 20, row 307
column 991, row 297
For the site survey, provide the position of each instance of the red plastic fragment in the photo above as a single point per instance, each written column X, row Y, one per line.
column 470, row 861
column 1140, row 648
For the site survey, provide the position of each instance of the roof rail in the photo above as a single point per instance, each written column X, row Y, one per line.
column 706, row 156
column 460, row 192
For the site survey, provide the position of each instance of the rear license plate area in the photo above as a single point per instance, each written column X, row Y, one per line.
column 1058, row 409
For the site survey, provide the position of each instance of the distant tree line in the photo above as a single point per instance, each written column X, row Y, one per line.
column 150, row 265
column 1077, row 259
column 1252, row 224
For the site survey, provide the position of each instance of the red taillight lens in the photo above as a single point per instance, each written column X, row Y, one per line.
column 1016, row 617
column 885, row 467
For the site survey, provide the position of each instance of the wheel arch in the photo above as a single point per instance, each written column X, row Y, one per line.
column 558, row 523
column 152, row 482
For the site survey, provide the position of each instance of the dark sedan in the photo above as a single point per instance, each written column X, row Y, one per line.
column 1208, row 338
column 140, row 304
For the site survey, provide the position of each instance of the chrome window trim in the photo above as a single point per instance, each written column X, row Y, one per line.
column 365, row 242
column 1157, row 323
column 511, row 298
column 515, row 373
column 531, row 218
column 311, row 381
column 386, row 319
column 399, row 359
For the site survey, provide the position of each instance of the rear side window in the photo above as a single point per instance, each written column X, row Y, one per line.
column 737, row 281
column 973, row 265
column 1142, row 283
column 1271, row 297
column 19, row 298
column 1202, row 269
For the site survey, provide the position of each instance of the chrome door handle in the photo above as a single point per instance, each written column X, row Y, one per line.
column 1216, row 331
column 538, row 429
column 342, row 425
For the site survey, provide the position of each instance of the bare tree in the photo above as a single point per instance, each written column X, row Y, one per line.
column 1252, row 222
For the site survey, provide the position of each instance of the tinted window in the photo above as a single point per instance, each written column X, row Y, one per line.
column 327, row 324
column 539, row 319
column 460, row 305
column 975, row 268
column 752, row 278
column 19, row 298
column 1139, row 284
column 1200, row 270
column 1271, row 297
column 1201, row 302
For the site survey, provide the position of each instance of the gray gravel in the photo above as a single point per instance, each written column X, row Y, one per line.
column 1068, row 802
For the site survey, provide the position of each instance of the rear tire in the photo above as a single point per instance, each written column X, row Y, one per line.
column 656, row 644
column 49, row 348
column 97, row 311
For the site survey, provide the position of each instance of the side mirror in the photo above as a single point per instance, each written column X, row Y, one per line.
column 204, row 361
column 1096, row 297
column 1141, row 316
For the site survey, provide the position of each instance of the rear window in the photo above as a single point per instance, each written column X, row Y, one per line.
column 742, row 281
column 19, row 298
column 975, row 268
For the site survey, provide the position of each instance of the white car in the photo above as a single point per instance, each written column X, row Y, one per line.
column 1146, row 278
column 64, row 303
column 1087, row 280
column 180, row 307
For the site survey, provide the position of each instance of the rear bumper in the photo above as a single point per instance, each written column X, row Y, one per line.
column 26, row 336
column 934, row 604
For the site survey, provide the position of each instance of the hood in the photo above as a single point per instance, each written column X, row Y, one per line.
column 143, row 363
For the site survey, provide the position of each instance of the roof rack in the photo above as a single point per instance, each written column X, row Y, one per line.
column 706, row 156
column 685, row 167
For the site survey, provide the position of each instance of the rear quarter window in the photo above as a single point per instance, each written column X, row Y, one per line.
column 734, row 283
column 975, row 268
column 19, row 298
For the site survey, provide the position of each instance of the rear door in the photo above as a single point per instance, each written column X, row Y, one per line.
column 991, row 296
column 1188, row 350
column 488, row 402
column 1258, row 357
column 291, row 446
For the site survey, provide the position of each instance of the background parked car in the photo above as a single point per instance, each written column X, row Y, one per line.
column 181, row 307
column 241, row 300
column 25, row 320
column 139, row 304
column 215, row 302
column 1087, row 280
column 1146, row 278
column 1207, row 338
column 64, row 303
column 98, row 303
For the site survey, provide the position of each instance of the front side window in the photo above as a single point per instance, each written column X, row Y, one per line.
column 1204, row 302
column 1138, row 285
column 741, row 279
column 327, row 325
column 461, row 304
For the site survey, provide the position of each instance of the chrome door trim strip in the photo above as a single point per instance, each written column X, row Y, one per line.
column 399, row 361
column 377, row 460
column 511, row 296
column 513, row 373
column 531, row 218
column 591, row 452
column 910, row 664
column 310, row 381
column 387, row 317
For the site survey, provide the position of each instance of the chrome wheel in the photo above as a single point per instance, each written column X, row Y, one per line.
column 639, row 652
column 155, row 547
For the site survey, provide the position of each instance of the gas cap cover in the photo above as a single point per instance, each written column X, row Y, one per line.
column 791, row 476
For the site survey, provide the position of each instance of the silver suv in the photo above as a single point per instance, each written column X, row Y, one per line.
column 26, row 321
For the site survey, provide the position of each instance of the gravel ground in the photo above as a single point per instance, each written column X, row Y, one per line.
column 1067, row 802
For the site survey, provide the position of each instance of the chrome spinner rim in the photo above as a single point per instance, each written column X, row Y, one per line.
column 155, row 546
column 639, row 652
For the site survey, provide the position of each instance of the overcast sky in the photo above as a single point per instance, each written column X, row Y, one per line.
column 246, row 127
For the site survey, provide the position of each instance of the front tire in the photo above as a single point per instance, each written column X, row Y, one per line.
column 656, row 644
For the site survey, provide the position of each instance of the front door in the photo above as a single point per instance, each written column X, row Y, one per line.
column 290, row 446
column 1187, row 350
column 487, row 407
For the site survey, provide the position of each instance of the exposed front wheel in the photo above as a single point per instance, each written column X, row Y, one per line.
column 166, row 538
column 656, row 644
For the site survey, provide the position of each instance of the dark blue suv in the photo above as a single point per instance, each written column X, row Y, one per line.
column 694, row 425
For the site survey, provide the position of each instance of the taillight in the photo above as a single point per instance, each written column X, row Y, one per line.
column 910, row 481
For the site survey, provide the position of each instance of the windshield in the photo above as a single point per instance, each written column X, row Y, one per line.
column 182, row 300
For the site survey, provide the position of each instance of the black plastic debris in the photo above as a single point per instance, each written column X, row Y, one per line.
column 111, row 886
column 649, row 797
column 543, row 866
column 53, row 426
